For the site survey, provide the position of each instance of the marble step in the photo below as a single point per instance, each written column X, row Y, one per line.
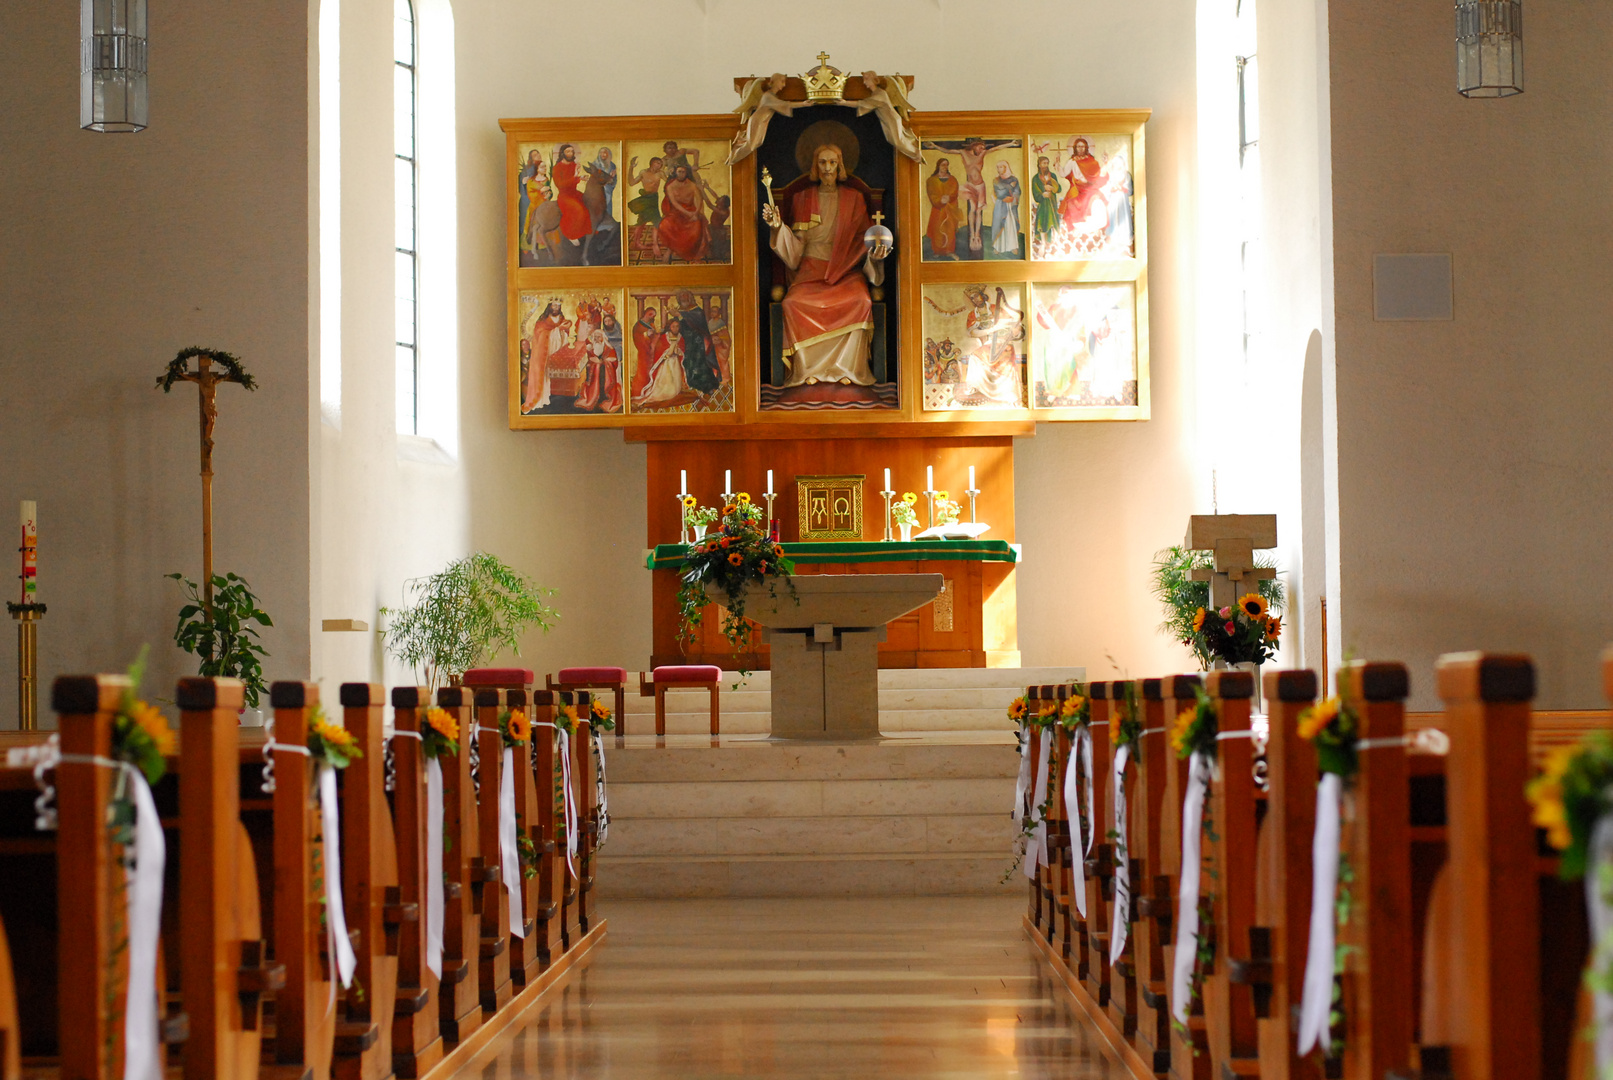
column 760, row 876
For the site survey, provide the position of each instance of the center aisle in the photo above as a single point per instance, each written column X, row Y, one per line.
column 930, row 987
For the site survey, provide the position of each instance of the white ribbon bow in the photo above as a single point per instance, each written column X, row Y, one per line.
column 1187, row 897
column 341, row 946
column 509, row 853
column 1316, row 999
column 1601, row 918
column 1120, row 925
column 434, row 882
column 1080, row 841
column 1036, row 853
column 142, row 1046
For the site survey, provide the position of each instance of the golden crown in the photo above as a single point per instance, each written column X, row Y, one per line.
column 824, row 83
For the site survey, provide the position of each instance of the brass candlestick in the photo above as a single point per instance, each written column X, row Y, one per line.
column 683, row 521
column 929, row 499
column 888, row 495
column 770, row 496
column 972, row 492
column 27, row 616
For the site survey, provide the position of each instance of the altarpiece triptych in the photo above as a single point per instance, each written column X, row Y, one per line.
column 987, row 266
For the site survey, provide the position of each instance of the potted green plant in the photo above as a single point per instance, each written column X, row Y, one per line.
column 222, row 633
column 1246, row 632
column 464, row 616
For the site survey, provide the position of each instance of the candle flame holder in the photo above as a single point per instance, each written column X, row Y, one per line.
column 972, row 492
column 888, row 496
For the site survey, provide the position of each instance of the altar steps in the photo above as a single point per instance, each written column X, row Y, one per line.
column 910, row 700
column 923, row 812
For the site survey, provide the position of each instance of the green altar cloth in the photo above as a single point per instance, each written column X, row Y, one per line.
column 670, row 556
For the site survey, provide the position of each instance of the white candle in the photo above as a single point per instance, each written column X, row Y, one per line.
column 683, row 482
column 929, row 478
column 887, row 479
column 971, row 478
column 770, row 481
column 727, row 481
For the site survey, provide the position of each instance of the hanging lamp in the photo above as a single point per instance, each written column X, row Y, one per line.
column 112, row 65
column 1489, row 48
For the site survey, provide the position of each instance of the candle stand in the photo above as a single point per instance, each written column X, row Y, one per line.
column 27, row 616
column 972, row 492
column 929, row 499
column 888, row 495
column 770, row 496
column 685, row 534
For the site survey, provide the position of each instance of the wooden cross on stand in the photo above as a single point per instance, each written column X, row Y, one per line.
column 206, row 380
column 1233, row 538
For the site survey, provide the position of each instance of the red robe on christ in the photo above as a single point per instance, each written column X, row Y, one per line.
column 1082, row 172
column 829, row 296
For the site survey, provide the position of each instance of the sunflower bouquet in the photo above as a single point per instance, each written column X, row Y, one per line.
column 902, row 512
column 737, row 555
column 1019, row 709
column 514, row 727
column 439, row 735
column 330, row 744
column 1126, row 717
column 695, row 516
column 1571, row 794
column 1076, row 710
column 1241, row 633
column 1196, row 727
column 1334, row 728
column 947, row 511
column 140, row 732
column 1189, row 617
column 599, row 716
column 565, row 718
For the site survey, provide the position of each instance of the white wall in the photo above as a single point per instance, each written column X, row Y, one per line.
column 117, row 251
column 1475, row 469
column 1094, row 500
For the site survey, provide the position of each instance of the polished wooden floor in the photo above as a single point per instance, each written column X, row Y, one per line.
column 935, row 987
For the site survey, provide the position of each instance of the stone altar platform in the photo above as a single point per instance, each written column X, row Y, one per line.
column 923, row 812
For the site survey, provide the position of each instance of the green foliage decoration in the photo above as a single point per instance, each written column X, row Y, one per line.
column 464, row 616
column 226, row 640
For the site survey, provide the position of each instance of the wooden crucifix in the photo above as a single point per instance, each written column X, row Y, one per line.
column 206, row 380
column 1233, row 538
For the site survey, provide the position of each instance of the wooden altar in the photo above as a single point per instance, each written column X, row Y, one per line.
column 972, row 624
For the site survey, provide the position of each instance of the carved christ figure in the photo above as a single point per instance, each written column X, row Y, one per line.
column 828, row 314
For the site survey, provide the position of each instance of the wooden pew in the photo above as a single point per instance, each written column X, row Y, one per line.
column 369, row 894
column 1229, row 847
column 305, row 1025
column 582, row 778
column 1060, row 849
column 495, row 985
column 459, row 1000
column 1504, row 956
column 1189, row 1049
column 529, row 955
column 548, row 820
column 1150, row 885
column 1045, row 885
column 1100, row 864
column 417, row 1043
column 1122, row 977
column 1274, row 967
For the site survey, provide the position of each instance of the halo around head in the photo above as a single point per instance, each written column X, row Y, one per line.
column 832, row 132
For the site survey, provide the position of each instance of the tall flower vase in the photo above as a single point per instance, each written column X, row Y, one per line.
column 907, row 533
column 1257, row 706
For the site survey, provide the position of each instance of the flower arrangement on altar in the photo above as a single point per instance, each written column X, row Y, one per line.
column 695, row 516
column 739, row 554
column 440, row 733
column 328, row 743
column 904, row 515
column 1235, row 634
column 947, row 512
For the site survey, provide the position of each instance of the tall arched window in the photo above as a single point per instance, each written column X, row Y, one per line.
column 407, row 183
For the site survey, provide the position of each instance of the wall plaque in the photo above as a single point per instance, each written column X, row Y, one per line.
column 830, row 507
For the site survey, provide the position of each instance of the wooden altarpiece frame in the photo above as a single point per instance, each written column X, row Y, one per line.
column 740, row 276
